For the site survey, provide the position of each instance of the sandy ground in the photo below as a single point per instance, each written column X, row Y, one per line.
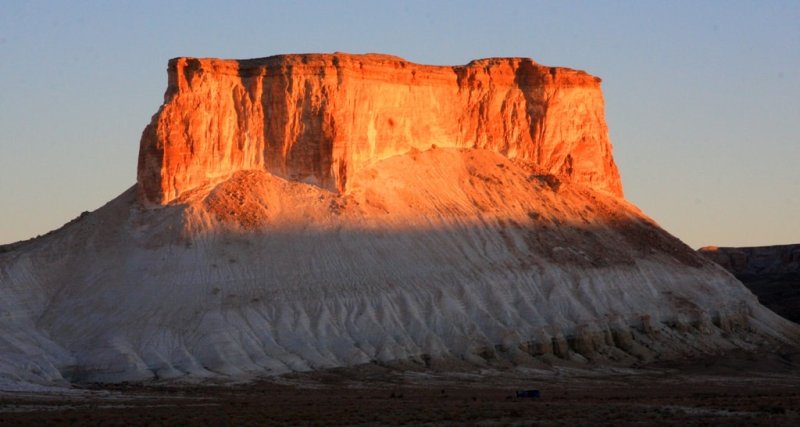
column 735, row 389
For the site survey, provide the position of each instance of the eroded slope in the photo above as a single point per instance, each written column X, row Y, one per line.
column 443, row 254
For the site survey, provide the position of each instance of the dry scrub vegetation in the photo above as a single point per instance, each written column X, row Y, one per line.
column 693, row 393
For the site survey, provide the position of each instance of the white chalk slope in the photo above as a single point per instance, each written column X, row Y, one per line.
column 454, row 254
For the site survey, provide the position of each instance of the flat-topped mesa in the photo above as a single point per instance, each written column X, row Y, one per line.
column 321, row 117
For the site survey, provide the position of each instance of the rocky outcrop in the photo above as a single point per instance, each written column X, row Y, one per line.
column 319, row 118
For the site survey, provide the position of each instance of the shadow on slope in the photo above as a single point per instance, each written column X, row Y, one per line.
column 442, row 255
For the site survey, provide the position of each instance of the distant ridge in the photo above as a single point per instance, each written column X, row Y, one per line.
column 770, row 272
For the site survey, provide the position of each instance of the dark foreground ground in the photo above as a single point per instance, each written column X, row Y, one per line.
column 741, row 389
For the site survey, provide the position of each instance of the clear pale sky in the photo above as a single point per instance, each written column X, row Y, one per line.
column 702, row 98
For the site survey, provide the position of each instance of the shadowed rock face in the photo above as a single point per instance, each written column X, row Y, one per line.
column 770, row 272
column 320, row 118
column 758, row 260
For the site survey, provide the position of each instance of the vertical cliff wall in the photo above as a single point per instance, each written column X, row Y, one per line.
column 318, row 118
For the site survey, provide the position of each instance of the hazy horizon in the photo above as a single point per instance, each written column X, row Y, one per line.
column 702, row 99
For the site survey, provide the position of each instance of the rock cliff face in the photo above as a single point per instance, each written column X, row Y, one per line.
column 320, row 118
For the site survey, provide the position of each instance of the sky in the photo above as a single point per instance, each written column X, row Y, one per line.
column 702, row 98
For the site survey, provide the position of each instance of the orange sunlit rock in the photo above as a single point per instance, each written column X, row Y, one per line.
column 320, row 118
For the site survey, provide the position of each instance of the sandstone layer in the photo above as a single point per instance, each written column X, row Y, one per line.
column 319, row 118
